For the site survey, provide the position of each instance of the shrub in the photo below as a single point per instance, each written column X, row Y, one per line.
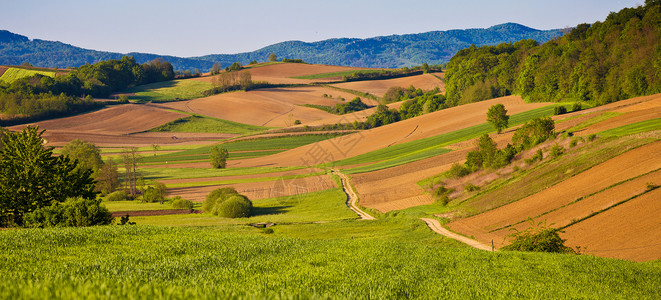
column 215, row 203
column 557, row 150
column 458, row 171
column 117, row 196
column 75, row 212
column 576, row 107
column 181, row 203
column 539, row 238
column 471, row 187
column 537, row 157
column 559, row 110
column 297, row 122
column 441, row 193
column 592, row 137
column 235, row 206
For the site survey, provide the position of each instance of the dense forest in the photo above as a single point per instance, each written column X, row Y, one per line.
column 395, row 51
column 39, row 96
column 602, row 62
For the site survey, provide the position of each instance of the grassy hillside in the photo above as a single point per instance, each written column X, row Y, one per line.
column 181, row 89
column 13, row 74
column 239, row 262
column 196, row 123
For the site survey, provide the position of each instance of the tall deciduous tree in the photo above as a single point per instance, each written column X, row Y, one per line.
column 87, row 155
column 219, row 157
column 31, row 177
column 497, row 116
column 273, row 57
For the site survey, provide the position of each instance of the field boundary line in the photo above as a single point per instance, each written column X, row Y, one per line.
column 436, row 226
column 352, row 198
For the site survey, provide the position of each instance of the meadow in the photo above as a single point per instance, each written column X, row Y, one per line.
column 13, row 74
column 180, row 89
column 242, row 262
column 203, row 124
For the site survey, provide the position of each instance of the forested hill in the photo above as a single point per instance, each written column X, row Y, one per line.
column 434, row 47
column 393, row 51
column 616, row 59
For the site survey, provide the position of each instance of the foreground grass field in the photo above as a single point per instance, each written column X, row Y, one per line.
column 241, row 262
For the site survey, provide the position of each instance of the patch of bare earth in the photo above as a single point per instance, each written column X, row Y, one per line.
column 380, row 87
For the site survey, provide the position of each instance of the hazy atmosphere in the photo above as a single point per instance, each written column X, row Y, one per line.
column 193, row 28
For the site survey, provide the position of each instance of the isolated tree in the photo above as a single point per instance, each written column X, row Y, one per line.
column 216, row 68
column 31, row 177
column 156, row 193
column 219, row 157
column 497, row 116
column 273, row 57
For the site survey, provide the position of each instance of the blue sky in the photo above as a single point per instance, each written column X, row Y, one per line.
column 199, row 27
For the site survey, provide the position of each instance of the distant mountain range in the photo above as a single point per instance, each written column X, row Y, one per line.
column 434, row 47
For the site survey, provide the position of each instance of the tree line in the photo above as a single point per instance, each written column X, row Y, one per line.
column 601, row 62
column 38, row 97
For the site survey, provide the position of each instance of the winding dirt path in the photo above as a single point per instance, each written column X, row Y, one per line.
column 352, row 198
column 438, row 228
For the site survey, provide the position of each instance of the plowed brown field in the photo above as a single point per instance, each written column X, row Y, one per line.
column 621, row 168
column 628, row 231
column 380, row 87
column 268, row 107
column 3, row 70
column 112, row 126
column 262, row 190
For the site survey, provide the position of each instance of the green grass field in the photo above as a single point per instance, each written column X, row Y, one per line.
column 135, row 205
column 201, row 124
column 241, row 262
column 187, row 173
column 182, row 89
column 13, row 74
column 643, row 126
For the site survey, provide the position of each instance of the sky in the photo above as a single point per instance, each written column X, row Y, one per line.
column 200, row 27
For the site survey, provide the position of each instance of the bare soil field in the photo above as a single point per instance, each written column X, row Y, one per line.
column 380, row 87
column 268, row 107
column 628, row 165
column 262, row 190
column 628, row 231
column 3, row 69
column 597, row 202
column 116, row 126
column 122, row 119
column 431, row 124
column 282, row 73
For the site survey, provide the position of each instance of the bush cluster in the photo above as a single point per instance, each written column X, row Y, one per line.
column 76, row 212
column 227, row 203
column 181, row 203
